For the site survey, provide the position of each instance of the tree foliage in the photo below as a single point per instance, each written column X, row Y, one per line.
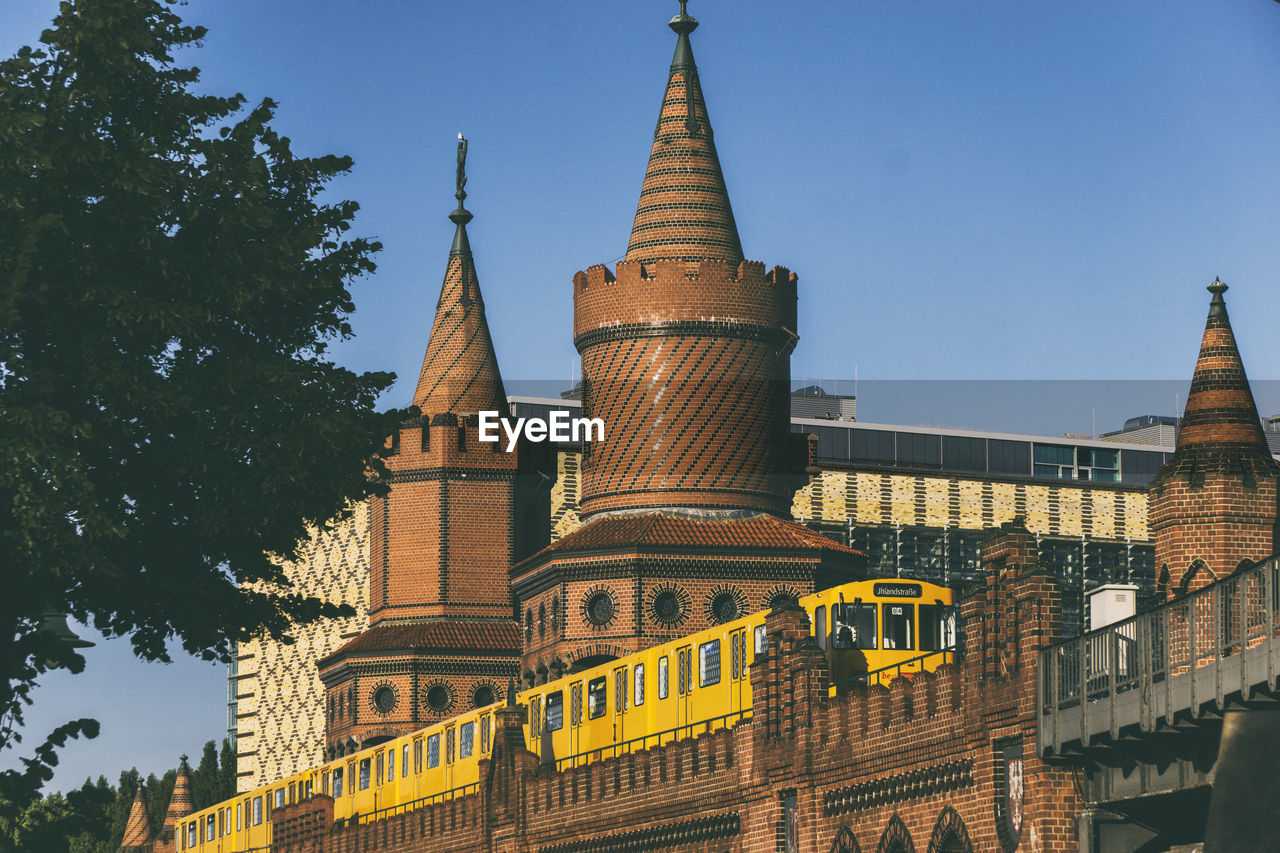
column 92, row 818
column 170, row 421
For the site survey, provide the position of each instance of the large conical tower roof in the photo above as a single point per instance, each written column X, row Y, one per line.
column 684, row 209
column 460, row 371
column 1220, row 429
column 181, row 803
column 137, row 830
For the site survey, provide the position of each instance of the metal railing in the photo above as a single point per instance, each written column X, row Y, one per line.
column 401, row 808
column 910, row 665
column 1151, row 653
column 684, row 732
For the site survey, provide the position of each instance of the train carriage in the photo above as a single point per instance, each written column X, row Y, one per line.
column 872, row 631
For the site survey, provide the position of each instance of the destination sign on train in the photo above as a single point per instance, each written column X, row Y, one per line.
column 897, row 590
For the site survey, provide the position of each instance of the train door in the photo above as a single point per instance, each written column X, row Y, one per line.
column 738, row 670
column 684, row 685
column 450, row 755
column 619, row 704
column 575, row 719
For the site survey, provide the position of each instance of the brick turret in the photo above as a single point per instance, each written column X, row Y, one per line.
column 686, row 359
column 138, row 836
column 441, row 636
column 687, row 347
column 1213, row 505
column 181, row 804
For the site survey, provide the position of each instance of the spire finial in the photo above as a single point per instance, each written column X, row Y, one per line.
column 683, row 23
column 1217, row 305
column 461, row 216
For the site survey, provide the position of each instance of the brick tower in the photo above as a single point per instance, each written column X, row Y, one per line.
column 686, row 359
column 1213, row 505
column 441, row 636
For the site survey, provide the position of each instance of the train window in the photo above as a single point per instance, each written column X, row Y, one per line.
column 211, row 827
column 191, row 834
column 291, row 791
column 853, row 626
column 620, row 690
column 417, row 756
column 535, row 725
column 381, row 769
column 555, row 711
column 351, row 778
column 735, row 662
column 433, row 751
column 898, row 631
column 239, row 815
column 337, row 782
column 762, row 640
column 466, row 740
column 280, row 798
column 709, row 663
column 662, row 677
column 820, row 626
column 257, row 801
column 448, row 745
column 365, row 765
column 637, row 693
column 391, row 764
column 404, row 761
column 684, row 671
column 597, row 699
column 937, row 627
column 575, row 708
column 484, row 736
column 324, row 783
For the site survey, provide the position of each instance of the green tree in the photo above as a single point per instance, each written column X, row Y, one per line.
column 170, row 275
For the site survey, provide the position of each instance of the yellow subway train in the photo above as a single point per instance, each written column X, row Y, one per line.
column 872, row 631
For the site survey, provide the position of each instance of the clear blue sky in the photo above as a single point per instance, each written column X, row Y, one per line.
column 979, row 190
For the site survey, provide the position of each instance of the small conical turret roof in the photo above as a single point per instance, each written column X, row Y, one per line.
column 460, row 370
column 181, row 803
column 684, row 209
column 137, row 830
column 1220, row 429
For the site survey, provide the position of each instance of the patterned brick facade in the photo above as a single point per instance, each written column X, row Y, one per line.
column 1213, row 505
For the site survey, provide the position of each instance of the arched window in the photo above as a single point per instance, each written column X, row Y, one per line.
column 845, row 842
column 950, row 834
column 896, row 838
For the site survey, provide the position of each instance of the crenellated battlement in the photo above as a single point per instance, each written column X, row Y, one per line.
column 667, row 291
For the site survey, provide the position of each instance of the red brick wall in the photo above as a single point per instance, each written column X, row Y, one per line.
column 677, row 358
column 1217, row 522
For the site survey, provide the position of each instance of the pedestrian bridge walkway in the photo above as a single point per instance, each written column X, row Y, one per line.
column 1174, row 668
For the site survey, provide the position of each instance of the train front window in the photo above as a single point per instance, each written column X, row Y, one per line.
column 898, row 631
column 853, row 626
column 597, row 698
column 937, row 627
column 709, row 663
column 555, row 711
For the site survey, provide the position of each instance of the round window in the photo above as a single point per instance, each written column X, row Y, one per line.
column 384, row 699
column 666, row 607
column 438, row 698
column 600, row 608
column 483, row 696
column 725, row 607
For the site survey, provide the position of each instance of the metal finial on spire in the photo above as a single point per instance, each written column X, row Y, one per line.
column 683, row 23
column 1217, row 305
column 462, row 170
